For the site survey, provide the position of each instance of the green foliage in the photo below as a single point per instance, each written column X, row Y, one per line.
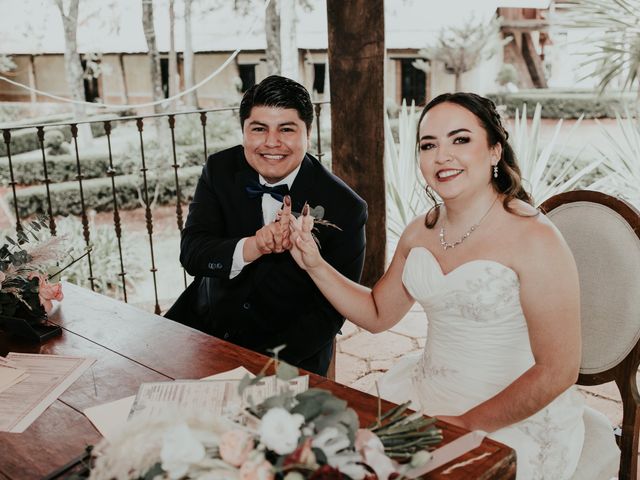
column 615, row 39
column 23, row 261
column 54, row 142
column 222, row 130
column 621, row 160
column 60, row 168
column 563, row 103
column 26, row 140
column 507, row 74
column 547, row 171
column 105, row 259
column 405, row 196
column 65, row 197
column 6, row 63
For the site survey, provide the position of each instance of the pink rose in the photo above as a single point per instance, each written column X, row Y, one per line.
column 256, row 468
column 47, row 291
column 235, row 447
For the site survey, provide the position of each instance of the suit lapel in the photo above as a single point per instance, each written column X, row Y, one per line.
column 302, row 185
column 248, row 208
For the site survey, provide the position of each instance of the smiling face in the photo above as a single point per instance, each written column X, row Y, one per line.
column 275, row 141
column 455, row 158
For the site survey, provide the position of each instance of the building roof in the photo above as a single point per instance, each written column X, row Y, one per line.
column 35, row 26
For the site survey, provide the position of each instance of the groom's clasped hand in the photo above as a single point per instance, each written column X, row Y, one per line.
column 289, row 231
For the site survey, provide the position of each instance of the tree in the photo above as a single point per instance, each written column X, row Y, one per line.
column 6, row 64
column 154, row 55
column 280, row 33
column 173, row 59
column 462, row 48
column 615, row 41
column 73, row 67
column 190, row 99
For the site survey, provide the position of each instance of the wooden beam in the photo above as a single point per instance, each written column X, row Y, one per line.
column 526, row 25
column 356, row 71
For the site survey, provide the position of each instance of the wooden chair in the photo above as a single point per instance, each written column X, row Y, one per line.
column 603, row 233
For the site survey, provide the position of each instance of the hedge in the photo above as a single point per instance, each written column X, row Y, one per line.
column 60, row 168
column 565, row 103
column 65, row 197
column 26, row 140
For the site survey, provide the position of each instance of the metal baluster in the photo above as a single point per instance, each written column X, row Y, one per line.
column 111, row 172
column 203, row 121
column 6, row 133
column 47, row 181
column 148, row 215
column 172, row 124
column 85, row 220
column 318, row 109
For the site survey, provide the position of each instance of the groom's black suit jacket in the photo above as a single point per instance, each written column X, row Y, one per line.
column 272, row 301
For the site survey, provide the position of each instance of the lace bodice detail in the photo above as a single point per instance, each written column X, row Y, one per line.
column 477, row 345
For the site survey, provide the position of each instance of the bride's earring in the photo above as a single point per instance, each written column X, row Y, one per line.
column 495, row 171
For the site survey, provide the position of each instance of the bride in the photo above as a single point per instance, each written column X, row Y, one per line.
column 499, row 287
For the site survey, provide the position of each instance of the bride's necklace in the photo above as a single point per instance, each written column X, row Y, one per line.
column 446, row 245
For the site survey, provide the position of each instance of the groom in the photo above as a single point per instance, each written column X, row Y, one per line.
column 247, row 288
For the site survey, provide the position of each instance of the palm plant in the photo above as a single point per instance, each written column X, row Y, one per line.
column 615, row 41
column 621, row 161
column 405, row 196
column 550, row 170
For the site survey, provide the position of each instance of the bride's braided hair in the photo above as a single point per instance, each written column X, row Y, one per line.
column 509, row 180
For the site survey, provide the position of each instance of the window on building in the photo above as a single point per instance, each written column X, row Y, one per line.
column 91, row 86
column 413, row 82
column 247, row 74
column 319, row 71
column 164, row 74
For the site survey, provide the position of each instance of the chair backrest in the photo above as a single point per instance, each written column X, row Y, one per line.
column 603, row 233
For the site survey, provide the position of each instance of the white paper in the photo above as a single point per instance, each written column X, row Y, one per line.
column 49, row 376
column 448, row 452
column 10, row 374
column 219, row 397
column 109, row 418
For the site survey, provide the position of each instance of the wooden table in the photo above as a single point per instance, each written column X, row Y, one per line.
column 133, row 346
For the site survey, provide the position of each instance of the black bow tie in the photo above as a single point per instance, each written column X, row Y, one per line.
column 255, row 189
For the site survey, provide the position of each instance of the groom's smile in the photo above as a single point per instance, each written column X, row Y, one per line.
column 275, row 141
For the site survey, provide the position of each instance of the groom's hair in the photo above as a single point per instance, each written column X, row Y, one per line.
column 279, row 92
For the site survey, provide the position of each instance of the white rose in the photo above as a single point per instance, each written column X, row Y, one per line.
column 279, row 430
column 180, row 449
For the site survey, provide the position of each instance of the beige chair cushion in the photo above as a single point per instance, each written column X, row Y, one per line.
column 600, row 457
column 607, row 253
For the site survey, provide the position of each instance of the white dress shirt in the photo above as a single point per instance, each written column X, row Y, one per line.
column 270, row 207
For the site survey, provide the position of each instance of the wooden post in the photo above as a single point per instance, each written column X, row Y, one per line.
column 356, row 71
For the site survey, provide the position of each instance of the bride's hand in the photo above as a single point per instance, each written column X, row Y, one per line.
column 304, row 249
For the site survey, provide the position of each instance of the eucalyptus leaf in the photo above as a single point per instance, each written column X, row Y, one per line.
column 309, row 409
column 286, row 372
column 276, row 350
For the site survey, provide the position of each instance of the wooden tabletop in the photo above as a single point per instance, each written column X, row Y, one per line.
column 133, row 346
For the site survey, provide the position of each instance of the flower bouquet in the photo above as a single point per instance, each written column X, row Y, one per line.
column 29, row 268
column 309, row 435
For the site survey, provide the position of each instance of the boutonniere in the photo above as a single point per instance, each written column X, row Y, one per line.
column 317, row 213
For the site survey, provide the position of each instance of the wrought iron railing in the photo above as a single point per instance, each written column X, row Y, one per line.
column 47, row 205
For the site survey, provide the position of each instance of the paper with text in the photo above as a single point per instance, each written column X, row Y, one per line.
column 10, row 374
column 49, row 376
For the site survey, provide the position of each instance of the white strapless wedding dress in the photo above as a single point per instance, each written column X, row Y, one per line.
column 477, row 344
